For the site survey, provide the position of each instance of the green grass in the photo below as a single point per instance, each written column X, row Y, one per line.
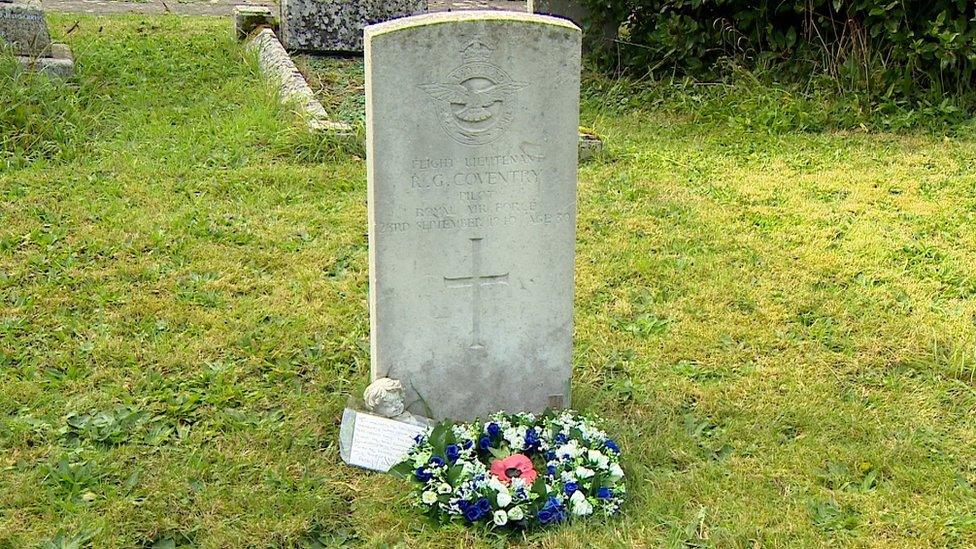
column 779, row 326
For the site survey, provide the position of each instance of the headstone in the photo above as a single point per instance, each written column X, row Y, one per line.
column 24, row 30
column 337, row 25
column 22, row 27
column 472, row 121
column 595, row 36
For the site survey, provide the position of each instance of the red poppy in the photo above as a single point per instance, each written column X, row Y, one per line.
column 512, row 467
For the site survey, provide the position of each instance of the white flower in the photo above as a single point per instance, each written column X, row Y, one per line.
column 504, row 498
column 580, row 505
column 583, row 472
column 570, row 449
column 511, row 437
column 429, row 498
column 497, row 485
column 421, row 458
column 444, row 488
column 516, row 513
column 500, row 518
column 616, row 472
column 598, row 458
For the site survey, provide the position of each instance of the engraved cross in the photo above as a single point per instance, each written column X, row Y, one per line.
column 476, row 281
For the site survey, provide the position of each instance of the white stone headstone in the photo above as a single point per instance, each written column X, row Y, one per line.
column 472, row 122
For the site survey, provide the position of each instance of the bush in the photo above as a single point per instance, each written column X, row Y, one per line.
column 892, row 48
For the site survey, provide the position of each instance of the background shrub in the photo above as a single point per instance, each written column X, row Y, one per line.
column 889, row 48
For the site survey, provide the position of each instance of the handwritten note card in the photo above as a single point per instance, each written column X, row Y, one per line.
column 379, row 443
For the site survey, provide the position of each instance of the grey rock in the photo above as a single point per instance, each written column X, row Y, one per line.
column 337, row 25
column 472, row 150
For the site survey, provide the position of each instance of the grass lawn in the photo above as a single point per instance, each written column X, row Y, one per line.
column 778, row 326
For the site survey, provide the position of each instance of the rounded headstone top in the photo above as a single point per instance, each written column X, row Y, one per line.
column 466, row 15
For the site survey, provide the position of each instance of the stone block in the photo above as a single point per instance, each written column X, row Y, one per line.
column 247, row 19
column 60, row 63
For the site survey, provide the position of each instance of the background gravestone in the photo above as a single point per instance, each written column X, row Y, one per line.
column 472, row 124
column 337, row 25
column 22, row 27
column 24, row 30
column 595, row 36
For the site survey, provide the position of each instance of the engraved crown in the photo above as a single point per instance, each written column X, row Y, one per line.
column 476, row 50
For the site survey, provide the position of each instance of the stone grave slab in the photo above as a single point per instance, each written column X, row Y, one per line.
column 23, row 28
column 596, row 36
column 337, row 25
column 472, row 129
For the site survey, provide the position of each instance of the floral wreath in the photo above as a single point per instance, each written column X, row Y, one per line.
column 515, row 470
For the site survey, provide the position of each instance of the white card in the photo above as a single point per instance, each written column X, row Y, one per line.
column 379, row 443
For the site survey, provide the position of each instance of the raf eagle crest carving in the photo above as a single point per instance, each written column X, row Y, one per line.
column 476, row 103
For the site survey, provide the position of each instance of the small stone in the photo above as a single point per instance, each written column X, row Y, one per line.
column 590, row 145
column 247, row 19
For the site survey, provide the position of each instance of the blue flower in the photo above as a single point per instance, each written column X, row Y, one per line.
column 545, row 516
column 570, row 488
column 561, row 438
column 612, row 446
column 494, row 430
column 467, row 444
column 531, row 438
column 436, row 461
column 483, row 505
column 604, row 493
column 472, row 513
column 484, row 443
column 550, row 455
column 551, row 470
column 418, row 438
column 552, row 511
column 452, row 452
column 422, row 474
